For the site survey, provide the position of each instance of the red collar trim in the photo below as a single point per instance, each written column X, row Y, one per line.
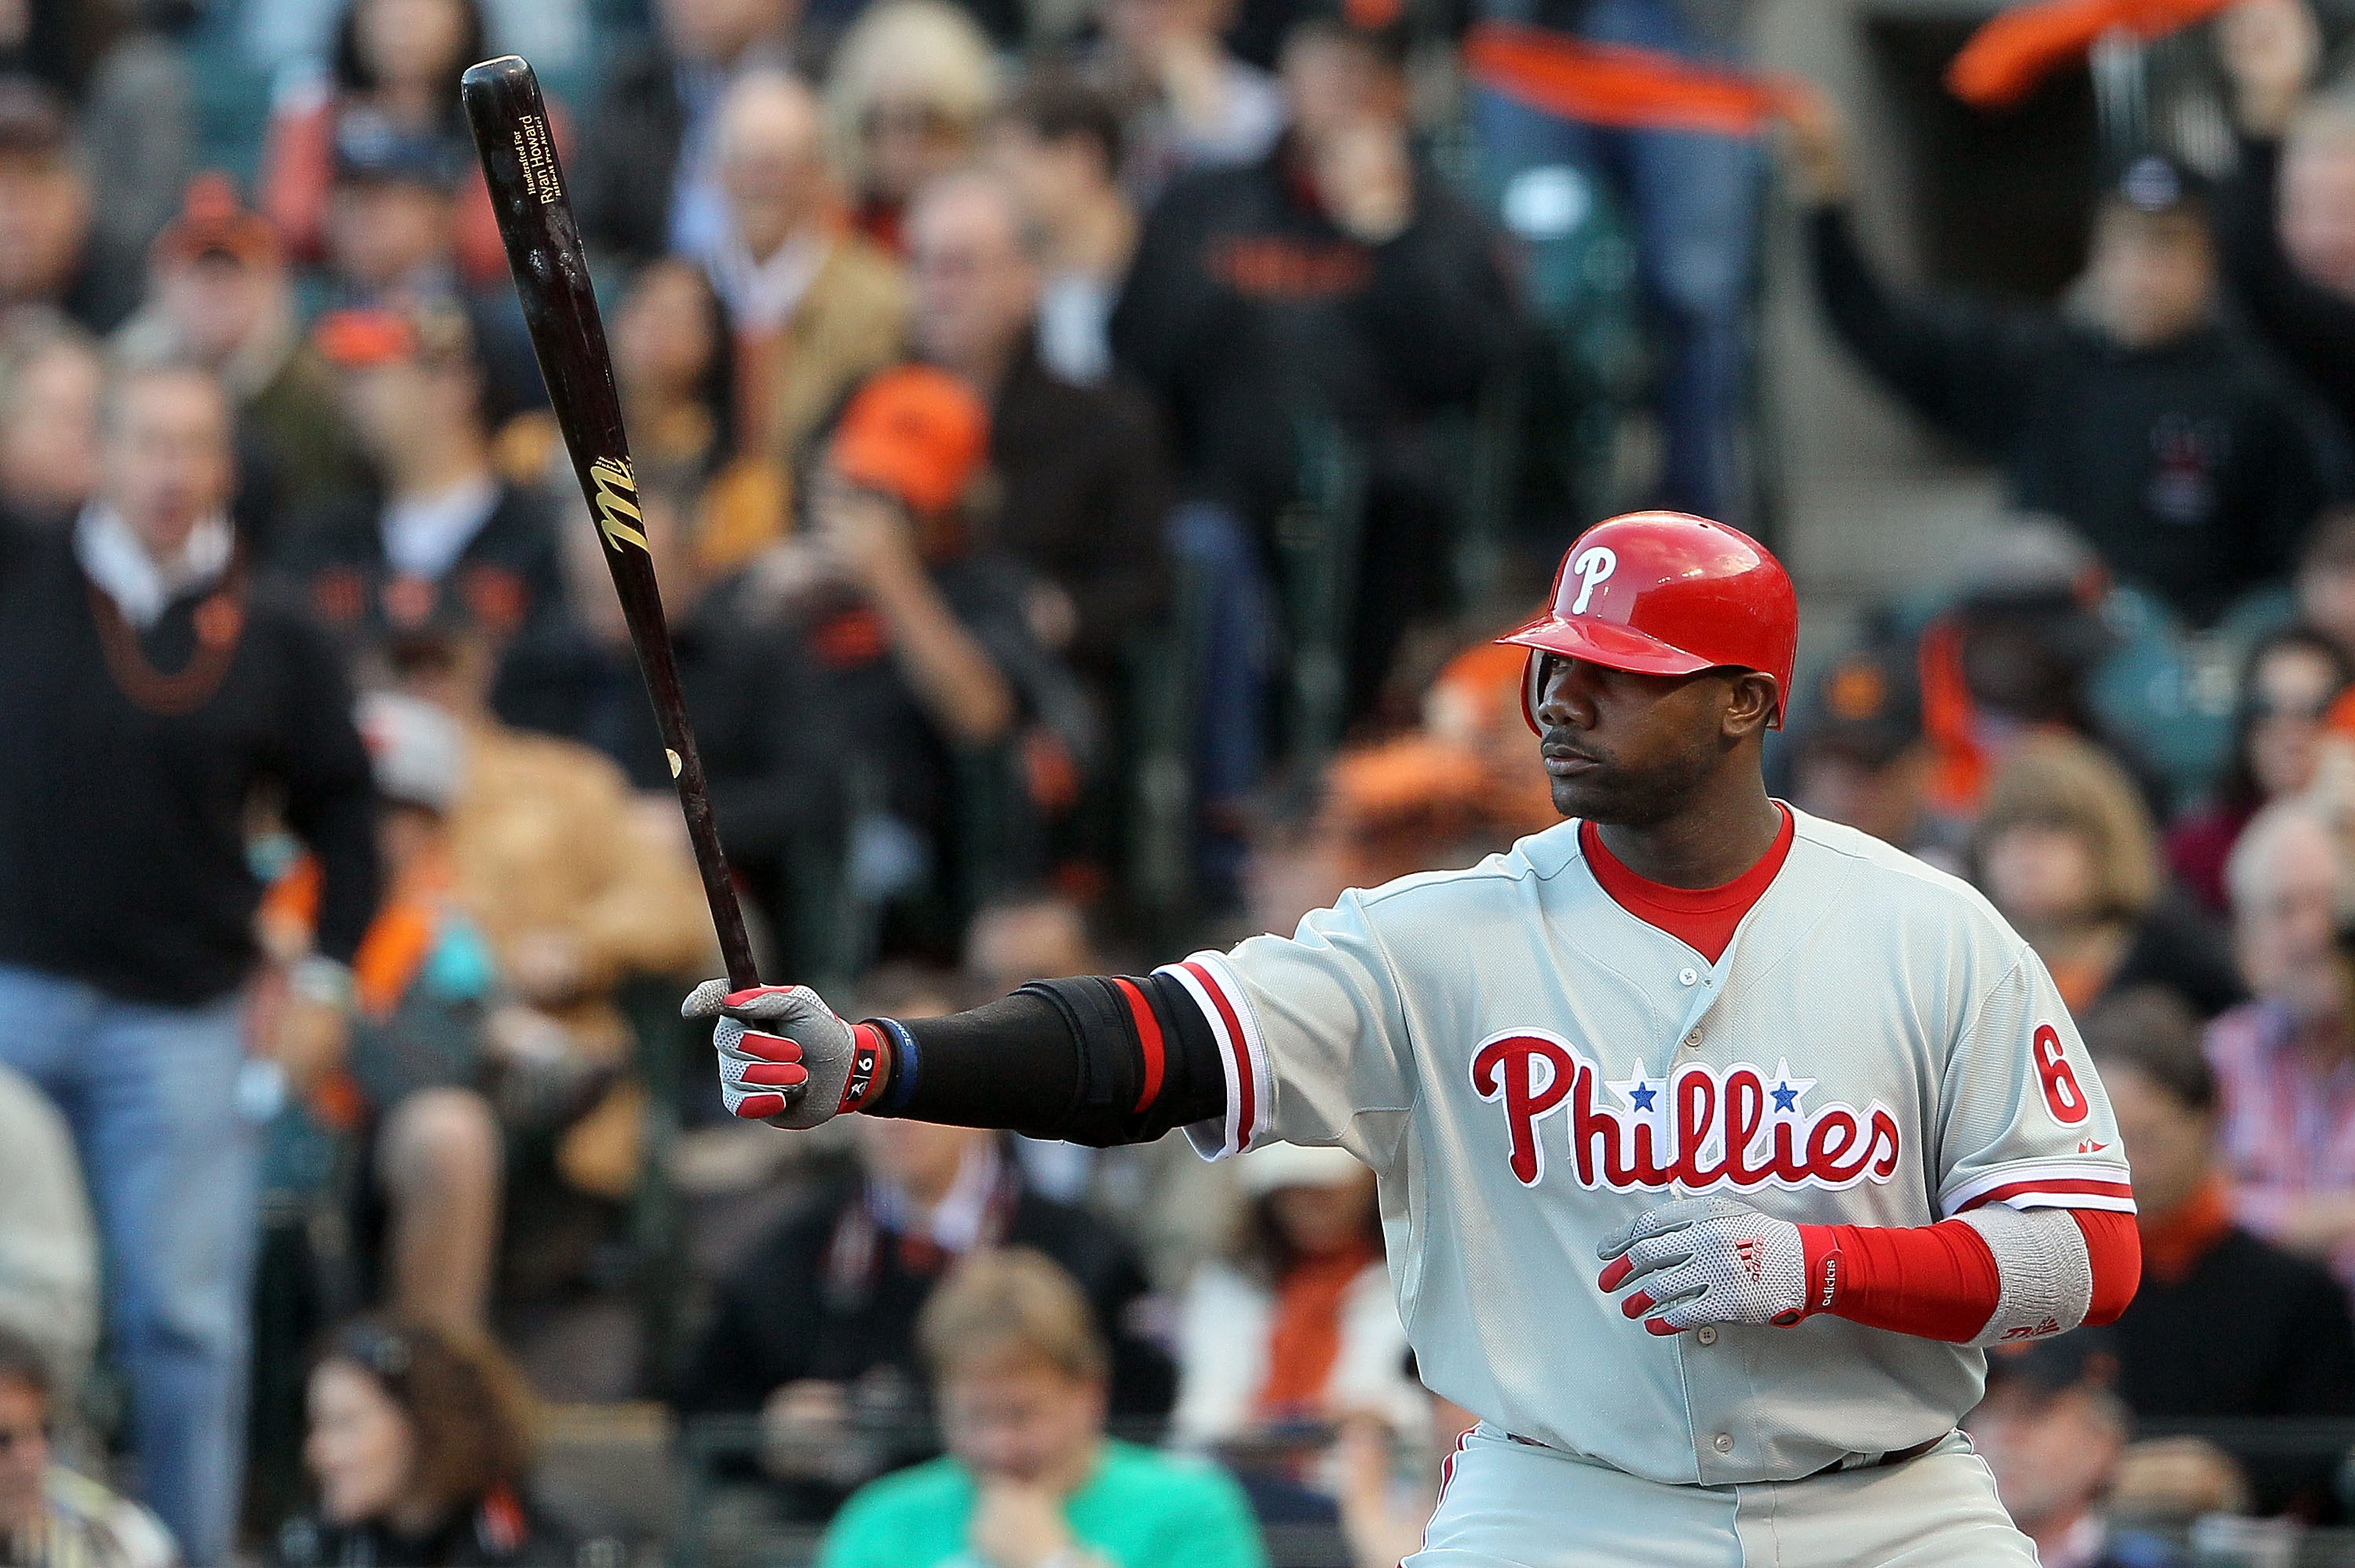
column 1703, row 918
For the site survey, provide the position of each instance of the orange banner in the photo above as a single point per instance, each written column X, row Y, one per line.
column 1611, row 84
column 2021, row 48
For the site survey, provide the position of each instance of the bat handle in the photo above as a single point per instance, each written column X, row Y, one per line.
column 736, row 952
column 710, row 861
column 735, row 947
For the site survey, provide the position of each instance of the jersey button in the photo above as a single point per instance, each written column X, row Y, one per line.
column 1688, row 976
column 1707, row 1336
column 1723, row 1443
column 1692, row 1040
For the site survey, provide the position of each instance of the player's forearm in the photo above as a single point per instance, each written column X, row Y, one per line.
column 2001, row 1274
column 1937, row 1282
column 1093, row 1060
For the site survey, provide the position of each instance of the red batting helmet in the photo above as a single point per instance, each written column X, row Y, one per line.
column 1662, row 593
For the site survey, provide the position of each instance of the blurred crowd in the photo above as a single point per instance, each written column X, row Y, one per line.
column 1085, row 446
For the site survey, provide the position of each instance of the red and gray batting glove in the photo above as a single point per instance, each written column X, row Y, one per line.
column 1707, row 1260
column 784, row 1057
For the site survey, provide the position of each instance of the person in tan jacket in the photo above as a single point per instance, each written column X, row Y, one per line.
column 576, row 881
column 817, row 307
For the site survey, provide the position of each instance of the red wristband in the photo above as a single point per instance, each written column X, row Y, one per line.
column 871, row 1068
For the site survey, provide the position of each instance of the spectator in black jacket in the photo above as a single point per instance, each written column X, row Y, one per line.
column 1059, row 143
column 1082, row 489
column 442, row 523
column 2285, row 216
column 154, row 695
column 2156, row 432
column 1335, row 277
column 2290, row 1347
column 817, row 1328
column 646, row 174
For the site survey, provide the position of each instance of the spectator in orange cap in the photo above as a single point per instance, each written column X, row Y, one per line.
column 1446, row 793
column 921, row 642
column 219, row 295
column 441, row 524
column 917, row 435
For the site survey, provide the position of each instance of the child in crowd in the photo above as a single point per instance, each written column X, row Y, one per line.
column 1020, row 1372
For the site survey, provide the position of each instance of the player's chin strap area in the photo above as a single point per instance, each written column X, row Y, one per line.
column 2046, row 1272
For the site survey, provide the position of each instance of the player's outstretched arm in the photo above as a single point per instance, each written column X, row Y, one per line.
column 1096, row 1060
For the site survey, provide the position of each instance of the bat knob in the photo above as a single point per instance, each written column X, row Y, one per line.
column 507, row 70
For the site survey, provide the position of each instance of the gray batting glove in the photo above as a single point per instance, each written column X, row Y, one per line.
column 784, row 1057
column 1706, row 1260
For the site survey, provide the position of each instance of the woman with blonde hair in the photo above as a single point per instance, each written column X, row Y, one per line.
column 912, row 81
column 2066, row 850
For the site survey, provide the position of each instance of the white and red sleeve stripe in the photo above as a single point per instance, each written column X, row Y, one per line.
column 2051, row 1186
column 1218, row 990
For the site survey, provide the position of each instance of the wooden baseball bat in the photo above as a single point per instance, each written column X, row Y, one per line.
column 551, row 275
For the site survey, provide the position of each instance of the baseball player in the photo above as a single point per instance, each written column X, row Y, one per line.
column 1715, row 1142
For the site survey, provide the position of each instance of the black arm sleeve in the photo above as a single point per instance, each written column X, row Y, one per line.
column 1064, row 1058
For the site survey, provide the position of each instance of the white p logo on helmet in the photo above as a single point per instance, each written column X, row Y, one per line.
column 1594, row 565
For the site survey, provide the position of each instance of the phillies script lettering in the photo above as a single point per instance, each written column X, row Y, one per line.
column 1696, row 1128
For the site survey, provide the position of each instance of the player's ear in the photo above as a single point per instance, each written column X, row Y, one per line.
column 1750, row 698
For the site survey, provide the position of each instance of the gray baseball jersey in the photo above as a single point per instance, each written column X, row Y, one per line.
column 1527, row 1065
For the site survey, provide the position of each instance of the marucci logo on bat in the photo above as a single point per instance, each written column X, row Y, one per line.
column 617, row 503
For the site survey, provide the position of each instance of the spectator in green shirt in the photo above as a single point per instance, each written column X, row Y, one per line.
column 1031, row 1480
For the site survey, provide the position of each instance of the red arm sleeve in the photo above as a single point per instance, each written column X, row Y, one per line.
column 2115, row 1245
column 1940, row 1282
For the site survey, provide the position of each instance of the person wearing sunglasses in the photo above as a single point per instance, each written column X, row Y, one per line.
column 2288, row 683
column 420, row 1448
column 50, row 1515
